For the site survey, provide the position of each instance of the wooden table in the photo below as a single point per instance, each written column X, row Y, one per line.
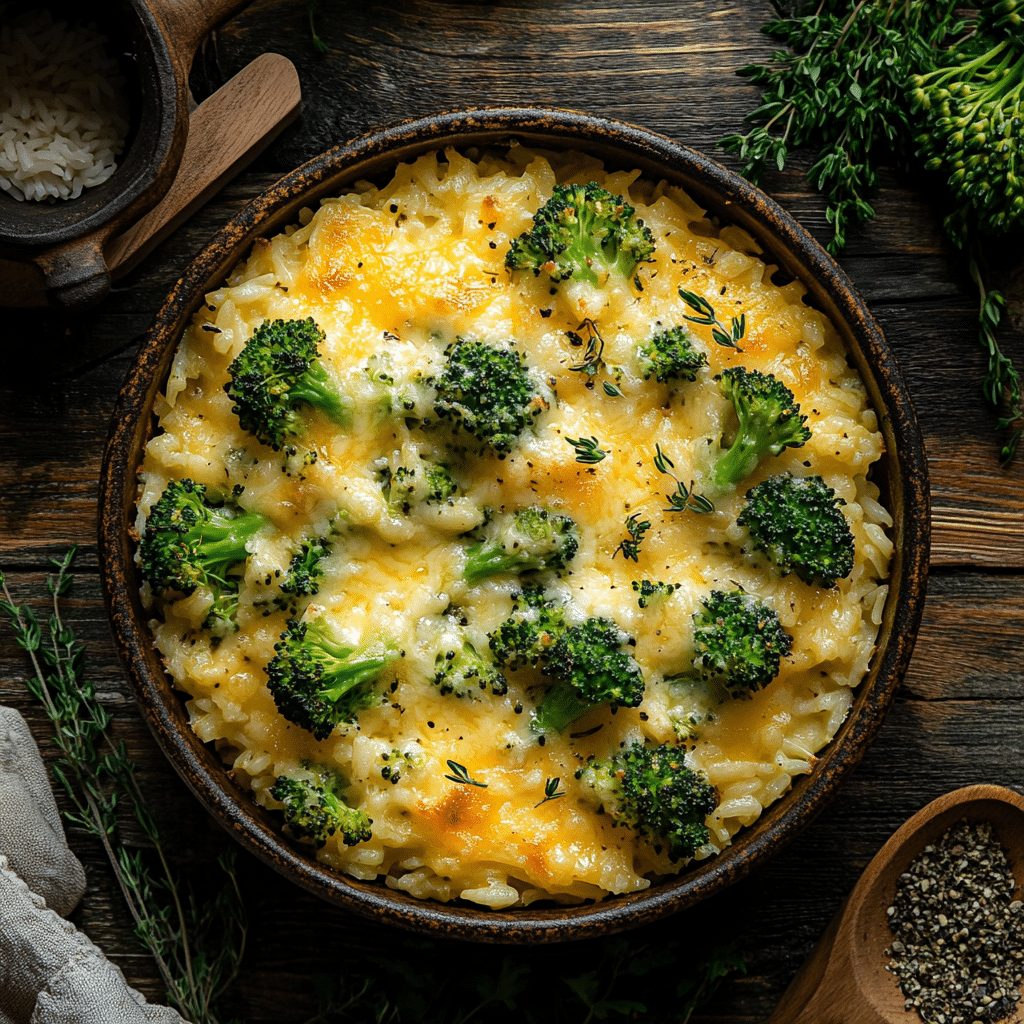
column 667, row 65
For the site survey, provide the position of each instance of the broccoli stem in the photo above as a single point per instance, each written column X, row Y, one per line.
column 559, row 708
column 316, row 388
column 483, row 562
column 739, row 461
column 224, row 538
column 341, row 675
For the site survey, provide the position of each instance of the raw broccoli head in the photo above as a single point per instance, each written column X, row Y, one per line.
column 408, row 486
column 314, row 810
column 798, row 524
column 590, row 666
column 465, row 672
column 488, row 392
column 526, row 540
column 739, row 642
column 530, row 633
column 275, row 375
column 585, row 233
column 315, row 681
column 652, row 592
column 769, row 421
column 650, row 790
column 670, row 355
column 189, row 542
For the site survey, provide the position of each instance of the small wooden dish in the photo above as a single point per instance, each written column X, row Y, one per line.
column 901, row 474
column 844, row 981
column 66, row 240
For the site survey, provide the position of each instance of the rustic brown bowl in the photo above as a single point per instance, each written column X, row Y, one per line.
column 901, row 475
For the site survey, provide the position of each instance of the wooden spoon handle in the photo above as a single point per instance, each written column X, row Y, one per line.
column 226, row 131
column 186, row 22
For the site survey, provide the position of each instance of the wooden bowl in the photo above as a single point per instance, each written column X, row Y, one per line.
column 155, row 41
column 901, row 475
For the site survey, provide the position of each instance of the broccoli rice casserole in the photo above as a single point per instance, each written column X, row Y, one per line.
column 510, row 530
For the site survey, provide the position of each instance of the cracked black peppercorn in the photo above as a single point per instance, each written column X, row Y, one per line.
column 958, row 933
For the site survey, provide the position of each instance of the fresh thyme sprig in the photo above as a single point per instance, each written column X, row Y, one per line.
column 728, row 336
column 551, row 791
column 636, row 529
column 840, row 91
column 461, row 775
column 866, row 80
column 683, row 499
column 196, row 939
column 612, row 978
column 593, row 357
column 588, row 450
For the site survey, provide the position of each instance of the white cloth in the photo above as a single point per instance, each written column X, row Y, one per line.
column 31, row 835
column 50, row 972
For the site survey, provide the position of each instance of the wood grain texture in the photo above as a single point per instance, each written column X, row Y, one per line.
column 668, row 66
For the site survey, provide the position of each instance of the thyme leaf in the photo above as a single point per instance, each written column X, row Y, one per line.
column 728, row 336
column 588, row 450
column 460, row 775
column 636, row 529
column 551, row 791
column 683, row 498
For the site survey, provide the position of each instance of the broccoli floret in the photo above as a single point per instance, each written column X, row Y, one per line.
column 275, row 374
column 315, row 681
column 304, row 572
column 797, row 523
column 670, row 355
column 650, row 591
column 488, row 392
column 464, row 672
column 190, row 541
column 583, row 232
column 587, row 662
column 739, row 642
column 590, row 667
column 314, row 810
column 531, row 631
column 650, row 790
column 407, row 486
column 526, row 540
column 769, row 421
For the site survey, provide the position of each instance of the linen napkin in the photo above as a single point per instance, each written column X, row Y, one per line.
column 50, row 972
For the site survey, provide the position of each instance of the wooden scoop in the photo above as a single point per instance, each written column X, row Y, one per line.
column 226, row 132
column 844, row 981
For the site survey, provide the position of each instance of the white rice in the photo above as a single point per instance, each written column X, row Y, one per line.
column 63, row 113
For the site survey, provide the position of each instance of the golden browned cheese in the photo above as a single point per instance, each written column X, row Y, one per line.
column 405, row 269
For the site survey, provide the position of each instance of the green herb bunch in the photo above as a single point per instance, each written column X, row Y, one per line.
column 196, row 936
column 841, row 91
column 868, row 80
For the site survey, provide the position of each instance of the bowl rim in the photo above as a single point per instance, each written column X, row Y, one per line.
column 903, row 466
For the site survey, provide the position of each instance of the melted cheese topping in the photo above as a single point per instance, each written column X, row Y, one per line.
column 405, row 269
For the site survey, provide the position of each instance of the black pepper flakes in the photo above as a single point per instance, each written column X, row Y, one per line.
column 958, row 942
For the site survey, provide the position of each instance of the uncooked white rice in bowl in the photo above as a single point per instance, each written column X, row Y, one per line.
column 63, row 112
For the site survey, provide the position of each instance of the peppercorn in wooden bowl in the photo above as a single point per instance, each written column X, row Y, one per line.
column 731, row 217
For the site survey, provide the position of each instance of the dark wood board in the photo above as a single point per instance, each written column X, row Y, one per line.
column 667, row 66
